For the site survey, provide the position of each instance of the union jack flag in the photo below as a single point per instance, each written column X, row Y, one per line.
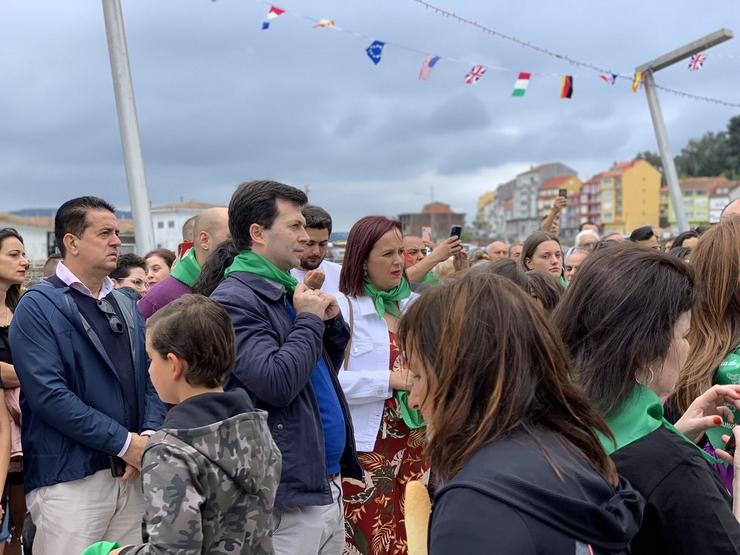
column 474, row 74
column 697, row 61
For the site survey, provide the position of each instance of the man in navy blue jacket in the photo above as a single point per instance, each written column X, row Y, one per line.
column 87, row 401
column 290, row 342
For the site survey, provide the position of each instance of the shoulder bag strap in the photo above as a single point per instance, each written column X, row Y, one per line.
column 348, row 348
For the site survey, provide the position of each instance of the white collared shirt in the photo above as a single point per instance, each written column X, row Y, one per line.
column 72, row 281
column 366, row 380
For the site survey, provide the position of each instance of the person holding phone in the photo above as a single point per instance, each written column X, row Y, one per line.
column 627, row 340
column 551, row 223
column 419, row 267
column 714, row 337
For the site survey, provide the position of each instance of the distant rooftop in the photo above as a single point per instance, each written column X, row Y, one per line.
column 187, row 205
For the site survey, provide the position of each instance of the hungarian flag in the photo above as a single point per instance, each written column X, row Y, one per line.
column 522, row 82
column 272, row 13
column 566, row 86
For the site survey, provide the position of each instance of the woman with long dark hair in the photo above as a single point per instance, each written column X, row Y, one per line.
column 13, row 267
column 542, row 252
column 714, row 335
column 389, row 434
column 512, row 441
column 625, row 320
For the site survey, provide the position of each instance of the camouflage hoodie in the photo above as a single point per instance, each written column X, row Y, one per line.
column 210, row 476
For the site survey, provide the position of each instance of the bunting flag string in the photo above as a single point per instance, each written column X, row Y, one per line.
column 375, row 52
column 574, row 61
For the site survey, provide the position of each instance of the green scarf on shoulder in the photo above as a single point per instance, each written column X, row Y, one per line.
column 640, row 414
column 100, row 548
column 187, row 269
column 387, row 301
column 728, row 373
column 249, row 261
column 430, row 279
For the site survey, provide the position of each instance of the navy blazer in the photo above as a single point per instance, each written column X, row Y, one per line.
column 274, row 361
column 71, row 398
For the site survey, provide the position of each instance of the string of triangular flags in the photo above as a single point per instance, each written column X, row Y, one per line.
column 696, row 62
column 375, row 51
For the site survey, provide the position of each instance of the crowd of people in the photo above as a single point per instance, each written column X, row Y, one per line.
column 248, row 395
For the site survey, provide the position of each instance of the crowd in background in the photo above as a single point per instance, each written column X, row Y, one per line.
column 248, row 395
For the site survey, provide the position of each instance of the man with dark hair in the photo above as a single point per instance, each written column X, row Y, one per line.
column 290, row 343
column 646, row 237
column 87, row 401
column 211, row 227
column 314, row 271
column 130, row 274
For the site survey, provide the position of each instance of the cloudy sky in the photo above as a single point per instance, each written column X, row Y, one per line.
column 221, row 101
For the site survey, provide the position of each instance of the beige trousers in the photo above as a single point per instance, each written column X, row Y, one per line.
column 72, row 515
column 310, row 530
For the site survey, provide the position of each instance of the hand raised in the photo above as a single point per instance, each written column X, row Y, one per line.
column 314, row 279
column 311, row 301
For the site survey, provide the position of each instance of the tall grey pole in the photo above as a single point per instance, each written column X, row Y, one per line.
column 669, row 167
column 648, row 69
column 129, row 125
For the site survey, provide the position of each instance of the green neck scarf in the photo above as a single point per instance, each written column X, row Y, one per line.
column 100, row 548
column 249, row 261
column 387, row 301
column 430, row 279
column 728, row 373
column 640, row 414
column 187, row 270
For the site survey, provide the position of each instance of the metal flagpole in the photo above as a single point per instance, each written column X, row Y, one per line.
column 129, row 125
column 648, row 70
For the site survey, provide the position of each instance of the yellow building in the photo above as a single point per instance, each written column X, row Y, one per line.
column 484, row 218
column 630, row 196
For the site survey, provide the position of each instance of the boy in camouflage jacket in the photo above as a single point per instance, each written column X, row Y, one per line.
column 211, row 473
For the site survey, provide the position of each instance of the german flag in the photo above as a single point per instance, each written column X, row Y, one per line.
column 566, row 86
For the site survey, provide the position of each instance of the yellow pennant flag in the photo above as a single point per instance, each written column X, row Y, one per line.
column 323, row 23
column 636, row 80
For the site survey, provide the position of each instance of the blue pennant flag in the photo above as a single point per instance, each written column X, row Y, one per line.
column 375, row 51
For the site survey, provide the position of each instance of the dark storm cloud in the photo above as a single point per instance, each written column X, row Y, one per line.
column 221, row 101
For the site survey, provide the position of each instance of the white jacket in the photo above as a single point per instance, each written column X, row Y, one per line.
column 366, row 380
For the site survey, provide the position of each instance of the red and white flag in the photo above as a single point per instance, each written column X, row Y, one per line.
column 272, row 13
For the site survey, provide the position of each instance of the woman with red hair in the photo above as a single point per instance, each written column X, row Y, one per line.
column 389, row 435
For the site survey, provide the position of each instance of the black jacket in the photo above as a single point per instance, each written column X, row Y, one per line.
column 688, row 508
column 275, row 357
column 509, row 499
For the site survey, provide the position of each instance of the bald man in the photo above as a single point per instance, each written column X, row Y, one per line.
column 732, row 210
column 210, row 228
column 497, row 251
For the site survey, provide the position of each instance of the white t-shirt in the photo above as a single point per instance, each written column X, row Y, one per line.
column 331, row 272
